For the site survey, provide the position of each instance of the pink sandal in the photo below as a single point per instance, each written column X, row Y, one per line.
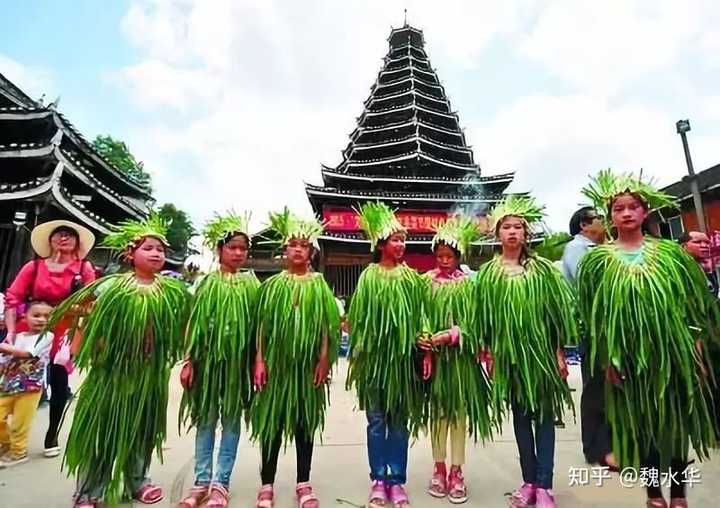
column 438, row 484
column 523, row 497
column 265, row 497
column 378, row 495
column 197, row 496
column 398, row 496
column 149, row 494
column 457, row 491
column 219, row 497
column 304, row 493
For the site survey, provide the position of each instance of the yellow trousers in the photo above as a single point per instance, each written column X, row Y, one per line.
column 439, row 436
column 20, row 409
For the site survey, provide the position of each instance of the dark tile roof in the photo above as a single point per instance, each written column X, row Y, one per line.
column 706, row 179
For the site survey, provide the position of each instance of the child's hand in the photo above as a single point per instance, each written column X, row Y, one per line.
column 187, row 375
column 259, row 375
column 424, row 342
column 427, row 366
column 562, row 364
column 321, row 371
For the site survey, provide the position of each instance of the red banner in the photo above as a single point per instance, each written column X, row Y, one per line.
column 342, row 219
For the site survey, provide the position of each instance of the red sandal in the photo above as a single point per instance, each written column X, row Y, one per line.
column 438, row 483
column 219, row 497
column 265, row 497
column 149, row 494
column 457, row 490
column 197, row 496
column 378, row 495
column 305, row 495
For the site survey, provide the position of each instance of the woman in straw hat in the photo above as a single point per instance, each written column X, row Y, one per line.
column 57, row 271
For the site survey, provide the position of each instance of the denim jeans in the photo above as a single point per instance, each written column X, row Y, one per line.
column 387, row 449
column 537, row 452
column 205, row 447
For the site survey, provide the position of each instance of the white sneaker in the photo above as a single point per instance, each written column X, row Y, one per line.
column 51, row 452
column 10, row 461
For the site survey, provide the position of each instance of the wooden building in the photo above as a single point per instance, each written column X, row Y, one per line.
column 409, row 151
column 48, row 171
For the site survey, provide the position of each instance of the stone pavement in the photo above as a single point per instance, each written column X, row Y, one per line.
column 340, row 468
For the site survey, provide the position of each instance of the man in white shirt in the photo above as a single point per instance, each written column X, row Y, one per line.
column 588, row 230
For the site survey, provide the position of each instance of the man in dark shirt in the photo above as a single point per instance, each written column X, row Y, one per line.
column 697, row 244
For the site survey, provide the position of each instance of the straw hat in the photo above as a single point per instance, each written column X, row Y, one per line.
column 40, row 237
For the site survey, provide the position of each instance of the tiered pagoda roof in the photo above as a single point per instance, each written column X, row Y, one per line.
column 408, row 148
column 45, row 159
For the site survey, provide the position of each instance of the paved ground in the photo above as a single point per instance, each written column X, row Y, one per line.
column 340, row 469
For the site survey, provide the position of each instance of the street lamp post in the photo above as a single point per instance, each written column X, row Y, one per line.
column 683, row 126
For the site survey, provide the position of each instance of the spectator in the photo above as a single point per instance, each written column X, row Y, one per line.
column 697, row 244
column 588, row 230
column 58, row 270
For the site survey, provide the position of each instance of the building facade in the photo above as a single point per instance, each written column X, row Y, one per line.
column 407, row 150
column 48, row 171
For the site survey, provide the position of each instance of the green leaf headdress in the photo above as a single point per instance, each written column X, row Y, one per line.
column 289, row 225
column 127, row 234
column 606, row 185
column 218, row 228
column 524, row 207
column 378, row 222
column 457, row 232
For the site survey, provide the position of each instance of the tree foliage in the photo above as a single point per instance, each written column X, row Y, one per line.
column 118, row 153
column 553, row 246
column 180, row 230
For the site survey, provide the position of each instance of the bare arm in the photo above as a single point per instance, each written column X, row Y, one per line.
column 9, row 349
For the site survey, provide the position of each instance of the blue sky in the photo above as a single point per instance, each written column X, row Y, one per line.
column 233, row 103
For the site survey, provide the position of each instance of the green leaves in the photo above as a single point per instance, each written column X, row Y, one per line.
column 220, row 333
column 131, row 339
column 294, row 313
column 386, row 316
column 645, row 318
column 524, row 319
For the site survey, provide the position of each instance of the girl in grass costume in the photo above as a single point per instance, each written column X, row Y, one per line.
column 297, row 344
column 525, row 314
column 216, row 375
column 385, row 320
column 649, row 315
column 459, row 393
column 132, row 337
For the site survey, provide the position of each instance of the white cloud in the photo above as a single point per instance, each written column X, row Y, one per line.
column 33, row 80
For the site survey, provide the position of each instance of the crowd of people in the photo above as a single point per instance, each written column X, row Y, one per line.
column 445, row 352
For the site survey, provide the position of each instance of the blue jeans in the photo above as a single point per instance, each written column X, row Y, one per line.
column 537, row 453
column 387, row 449
column 205, row 447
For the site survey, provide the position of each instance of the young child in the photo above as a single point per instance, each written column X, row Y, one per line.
column 297, row 344
column 216, row 374
column 524, row 312
column 132, row 337
column 459, row 390
column 385, row 321
column 22, row 377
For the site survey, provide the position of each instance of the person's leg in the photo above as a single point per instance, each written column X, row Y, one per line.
column 595, row 430
column 397, row 453
column 522, row 425
column 228, row 452
column 652, row 461
column 204, row 447
column 6, row 409
column 58, row 399
column 270, row 453
column 304, row 452
column 545, row 452
column 438, row 439
column 376, row 444
column 458, row 433
column 678, row 466
column 24, row 410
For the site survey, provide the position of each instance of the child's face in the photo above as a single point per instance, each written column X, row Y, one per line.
column 446, row 258
column 37, row 317
column 298, row 251
column 234, row 253
column 149, row 256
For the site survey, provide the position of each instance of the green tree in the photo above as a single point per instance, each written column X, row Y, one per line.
column 180, row 230
column 118, row 153
column 553, row 246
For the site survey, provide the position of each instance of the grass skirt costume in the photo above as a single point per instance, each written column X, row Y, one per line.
column 295, row 313
column 132, row 338
column 644, row 318
column 386, row 317
column 525, row 318
column 459, row 387
column 220, row 332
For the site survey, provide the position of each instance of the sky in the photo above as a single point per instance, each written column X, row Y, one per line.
column 236, row 103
